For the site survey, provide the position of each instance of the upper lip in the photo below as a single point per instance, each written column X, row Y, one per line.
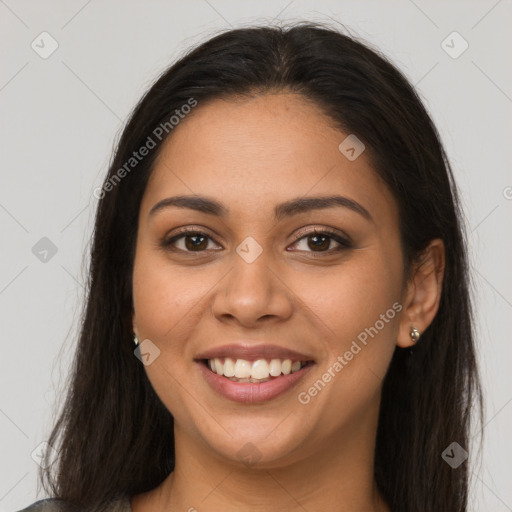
column 252, row 352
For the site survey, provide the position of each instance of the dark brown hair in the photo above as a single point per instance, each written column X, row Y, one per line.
column 115, row 437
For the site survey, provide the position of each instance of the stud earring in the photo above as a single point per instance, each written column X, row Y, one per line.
column 415, row 334
column 135, row 339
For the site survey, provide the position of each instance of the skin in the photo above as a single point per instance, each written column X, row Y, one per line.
column 252, row 154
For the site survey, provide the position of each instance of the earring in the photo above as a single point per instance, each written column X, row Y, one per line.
column 415, row 334
column 135, row 339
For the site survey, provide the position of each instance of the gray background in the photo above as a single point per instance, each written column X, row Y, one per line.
column 61, row 116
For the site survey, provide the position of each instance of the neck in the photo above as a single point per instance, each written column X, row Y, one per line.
column 334, row 475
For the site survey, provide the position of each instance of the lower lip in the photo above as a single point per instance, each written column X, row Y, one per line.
column 249, row 392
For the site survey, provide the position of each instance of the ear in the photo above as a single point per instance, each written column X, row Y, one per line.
column 423, row 292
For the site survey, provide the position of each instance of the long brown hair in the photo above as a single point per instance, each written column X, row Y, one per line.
column 114, row 436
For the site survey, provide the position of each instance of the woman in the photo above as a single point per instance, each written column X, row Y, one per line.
column 279, row 234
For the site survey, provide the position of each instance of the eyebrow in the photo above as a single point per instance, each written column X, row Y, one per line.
column 292, row 207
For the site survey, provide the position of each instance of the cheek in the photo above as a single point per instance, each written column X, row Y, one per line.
column 346, row 387
column 168, row 304
column 353, row 297
column 165, row 298
column 357, row 308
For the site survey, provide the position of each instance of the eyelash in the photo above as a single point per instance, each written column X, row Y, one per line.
column 345, row 243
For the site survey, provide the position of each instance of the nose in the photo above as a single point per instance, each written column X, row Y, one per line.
column 253, row 294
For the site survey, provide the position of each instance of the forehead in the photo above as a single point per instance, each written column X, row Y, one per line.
column 263, row 150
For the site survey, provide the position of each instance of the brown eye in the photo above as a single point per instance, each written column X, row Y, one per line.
column 188, row 241
column 320, row 241
column 196, row 242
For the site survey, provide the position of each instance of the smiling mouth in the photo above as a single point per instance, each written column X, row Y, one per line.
column 257, row 371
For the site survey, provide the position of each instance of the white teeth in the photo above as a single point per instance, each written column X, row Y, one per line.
column 260, row 370
column 229, row 367
column 219, row 367
column 275, row 367
column 242, row 369
column 286, row 366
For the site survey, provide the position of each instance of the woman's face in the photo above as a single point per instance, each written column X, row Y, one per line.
column 259, row 275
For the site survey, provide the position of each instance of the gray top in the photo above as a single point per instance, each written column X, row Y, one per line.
column 54, row 505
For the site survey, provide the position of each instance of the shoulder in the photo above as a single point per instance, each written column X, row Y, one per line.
column 46, row 505
column 56, row 505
